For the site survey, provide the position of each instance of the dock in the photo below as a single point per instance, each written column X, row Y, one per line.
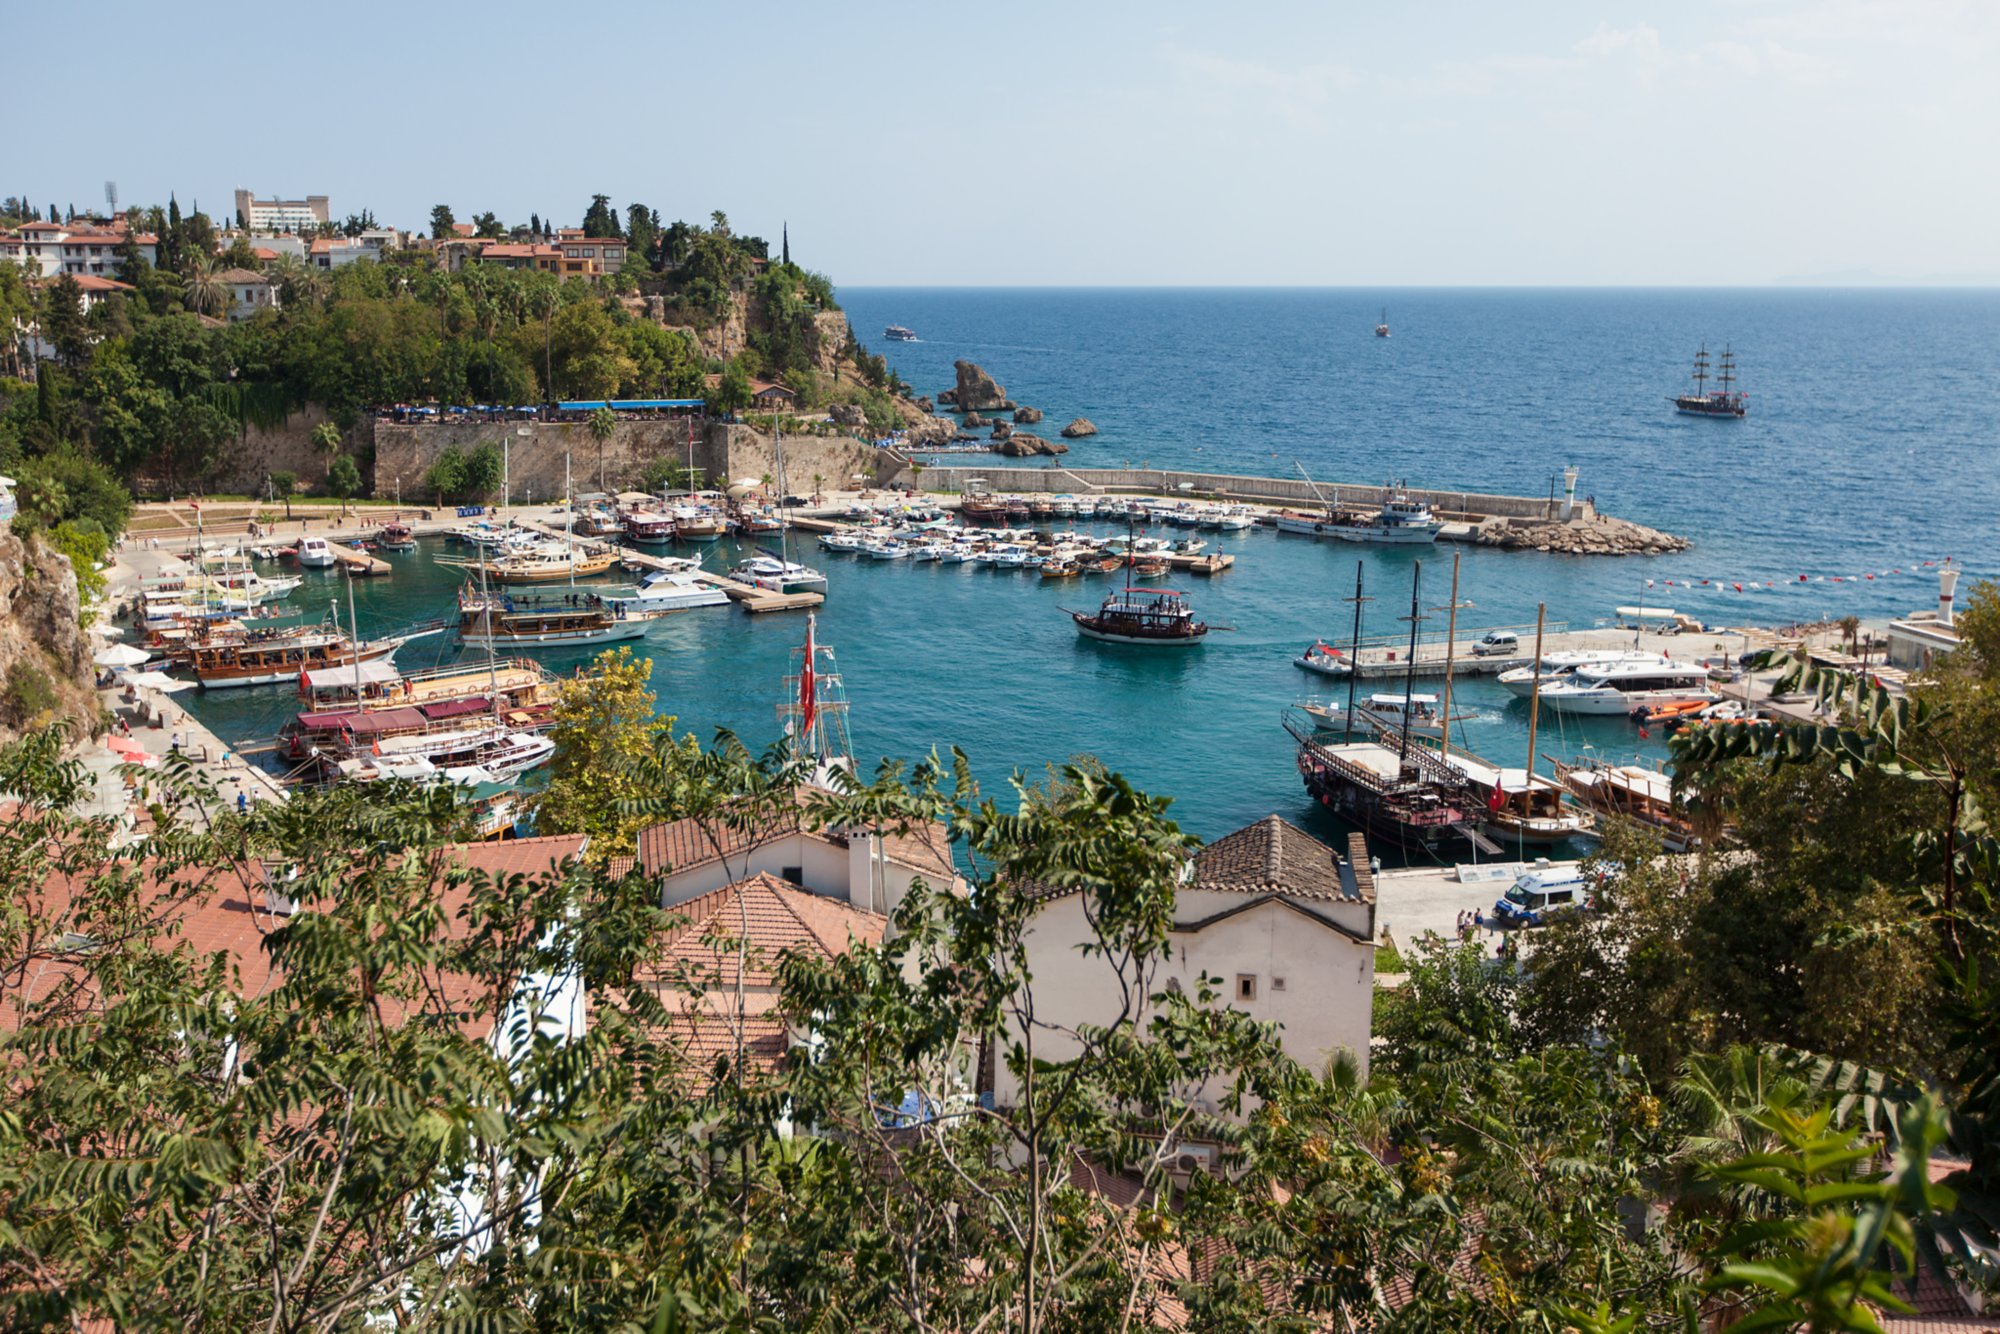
column 751, row 598
column 359, row 563
column 1387, row 656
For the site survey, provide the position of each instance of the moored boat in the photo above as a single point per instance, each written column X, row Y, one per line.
column 497, row 621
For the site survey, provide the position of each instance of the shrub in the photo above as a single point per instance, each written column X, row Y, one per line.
column 29, row 695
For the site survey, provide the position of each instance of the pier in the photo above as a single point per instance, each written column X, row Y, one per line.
column 1387, row 656
column 751, row 598
column 358, row 563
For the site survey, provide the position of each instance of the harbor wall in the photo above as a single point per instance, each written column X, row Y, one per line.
column 404, row 453
column 1277, row 490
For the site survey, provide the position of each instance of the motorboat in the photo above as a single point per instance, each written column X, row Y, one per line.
column 883, row 548
column 1386, row 711
column 779, row 576
column 649, row 528
column 842, row 541
column 1620, row 687
column 316, row 553
column 496, row 621
column 661, row 591
column 396, row 537
column 1561, row 665
column 1322, row 658
column 897, row 333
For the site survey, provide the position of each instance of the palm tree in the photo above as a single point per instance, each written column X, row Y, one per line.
column 603, row 423
column 326, row 438
column 1850, row 632
column 818, row 478
column 204, row 288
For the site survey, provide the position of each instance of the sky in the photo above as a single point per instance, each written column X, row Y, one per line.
column 1307, row 143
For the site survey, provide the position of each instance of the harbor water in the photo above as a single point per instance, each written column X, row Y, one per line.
column 1867, row 450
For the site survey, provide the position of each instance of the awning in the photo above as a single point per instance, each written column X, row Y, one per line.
column 373, row 673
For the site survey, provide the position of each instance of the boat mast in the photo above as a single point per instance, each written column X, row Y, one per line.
column 354, row 630
column 1726, row 372
column 1535, row 695
column 1701, row 371
column 1450, row 654
column 569, row 520
column 1354, row 652
column 1410, row 666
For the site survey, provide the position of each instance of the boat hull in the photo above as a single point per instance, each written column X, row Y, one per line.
column 225, row 678
column 1114, row 637
column 1618, row 704
column 529, row 641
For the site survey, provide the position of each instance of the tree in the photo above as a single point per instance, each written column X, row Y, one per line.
column 326, row 439
column 600, row 219
column 487, row 225
column 732, row 395
column 442, row 223
column 283, row 483
column 485, row 469
column 446, row 475
column 603, row 425
column 88, row 490
column 605, row 724
column 62, row 321
column 343, row 477
column 206, row 290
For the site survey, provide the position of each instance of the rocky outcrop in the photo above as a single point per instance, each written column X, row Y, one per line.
column 973, row 421
column 1082, row 426
column 1027, row 416
column 829, row 340
column 977, row 391
column 45, row 671
column 1600, row 535
column 847, row 414
column 1001, row 430
column 1023, row 446
column 930, row 431
column 925, row 406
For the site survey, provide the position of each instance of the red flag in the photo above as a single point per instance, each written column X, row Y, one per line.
column 808, row 694
column 1497, row 800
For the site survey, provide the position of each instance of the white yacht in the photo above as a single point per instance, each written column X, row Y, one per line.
column 1383, row 710
column 779, row 576
column 1621, row 687
column 1564, row 663
column 662, row 591
column 315, row 553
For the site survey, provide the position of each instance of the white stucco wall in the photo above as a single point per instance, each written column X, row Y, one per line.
column 1325, row 1005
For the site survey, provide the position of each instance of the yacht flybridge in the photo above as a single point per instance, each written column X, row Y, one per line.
column 1631, row 684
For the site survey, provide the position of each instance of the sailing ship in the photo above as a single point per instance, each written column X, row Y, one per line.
column 814, row 708
column 495, row 621
column 1722, row 401
column 1159, row 617
column 1382, row 325
column 1632, row 792
column 262, row 660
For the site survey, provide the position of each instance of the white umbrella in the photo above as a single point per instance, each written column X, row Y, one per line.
column 111, row 631
column 157, row 681
column 121, row 655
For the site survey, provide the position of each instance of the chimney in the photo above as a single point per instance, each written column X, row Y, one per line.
column 1947, row 584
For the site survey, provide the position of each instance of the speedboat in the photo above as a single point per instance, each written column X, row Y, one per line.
column 1322, row 658
column 662, row 591
column 1621, row 687
column 1562, row 664
column 779, row 576
column 315, row 553
column 1383, row 711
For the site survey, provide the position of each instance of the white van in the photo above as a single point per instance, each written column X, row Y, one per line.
column 1497, row 642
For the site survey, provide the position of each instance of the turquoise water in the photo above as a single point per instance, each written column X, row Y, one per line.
column 1869, row 448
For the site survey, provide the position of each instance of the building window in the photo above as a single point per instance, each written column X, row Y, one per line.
column 792, row 875
column 1277, row 984
column 1246, row 986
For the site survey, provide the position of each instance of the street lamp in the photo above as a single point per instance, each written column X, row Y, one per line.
column 507, row 466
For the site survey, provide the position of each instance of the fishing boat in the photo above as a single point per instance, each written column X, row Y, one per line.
column 848, row 540
column 1417, row 714
column 896, row 333
column 496, row 621
column 1618, row 688
column 316, row 553
column 1382, row 324
column 659, row 592
column 1723, row 401
column 1156, row 617
column 1400, row 519
column 1632, row 792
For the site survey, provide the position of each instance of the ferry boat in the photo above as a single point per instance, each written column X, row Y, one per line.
column 659, row 592
column 224, row 664
column 896, row 333
column 1722, row 401
column 1620, row 687
column 396, row 537
column 698, row 523
column 1633, row 792
column 1157, row 617
column 779, row 576
column 649, row 528
column 495, row 621
column 1382, row 324
column 1403, row 796
column 316, row 553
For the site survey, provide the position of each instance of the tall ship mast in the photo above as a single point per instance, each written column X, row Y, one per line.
column 814, row 708
column 1722, row 401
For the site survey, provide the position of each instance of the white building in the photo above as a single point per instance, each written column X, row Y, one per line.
column 249, row 292
column 45, row 249
column 282, row 215
column 1926, row 635
column 1280, row 917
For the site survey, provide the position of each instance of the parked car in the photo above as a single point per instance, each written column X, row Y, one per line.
column 1543, row 893
column 1496, row 642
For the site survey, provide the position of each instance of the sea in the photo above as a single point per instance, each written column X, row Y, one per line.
column 1866, row 459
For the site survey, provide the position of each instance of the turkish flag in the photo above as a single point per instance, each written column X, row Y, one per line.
column 808, row 693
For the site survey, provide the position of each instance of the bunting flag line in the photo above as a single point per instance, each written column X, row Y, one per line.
column 1755, row 585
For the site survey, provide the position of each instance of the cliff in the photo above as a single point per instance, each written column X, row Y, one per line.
column 45, row 671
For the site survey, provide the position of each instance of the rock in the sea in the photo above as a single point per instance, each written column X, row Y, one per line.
column 847, row 414
column 1082, row 426
column 977, row 391
column 1027, row 416
column 1001, row 430
column 925, row 406
column 973, row 421
column 1598, row 535
column 1021, row 445
column 930, row 431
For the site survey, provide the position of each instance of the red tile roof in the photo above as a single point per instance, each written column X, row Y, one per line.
column 511, row 250
column 781, row 918
column 97, row 282
column 1275, row 856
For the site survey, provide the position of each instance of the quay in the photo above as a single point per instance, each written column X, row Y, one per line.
column 1385, row 656
column 358, row 563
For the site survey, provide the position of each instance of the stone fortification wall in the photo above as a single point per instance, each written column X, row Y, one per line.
column 254, row 455
column 535, row 460
column 1278, row 490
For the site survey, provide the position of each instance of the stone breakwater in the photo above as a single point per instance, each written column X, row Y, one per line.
column 1594, row 535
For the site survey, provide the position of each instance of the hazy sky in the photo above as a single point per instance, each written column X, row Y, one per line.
column 1316, row 142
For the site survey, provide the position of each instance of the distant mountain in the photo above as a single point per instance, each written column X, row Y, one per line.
column 1870, row 278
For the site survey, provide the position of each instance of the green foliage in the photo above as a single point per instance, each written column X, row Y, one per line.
column 600, row 219
column 605, row 727
column 85, row 488
column 29, row 697
column 446, row 475
column 442, row 222
column 733, row 393
column 85, row 543
column 343, row 477
column 485, row 470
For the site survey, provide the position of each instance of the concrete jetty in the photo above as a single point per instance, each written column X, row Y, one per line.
column 1387, row 656
column 358, row 563
column 745, row 595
